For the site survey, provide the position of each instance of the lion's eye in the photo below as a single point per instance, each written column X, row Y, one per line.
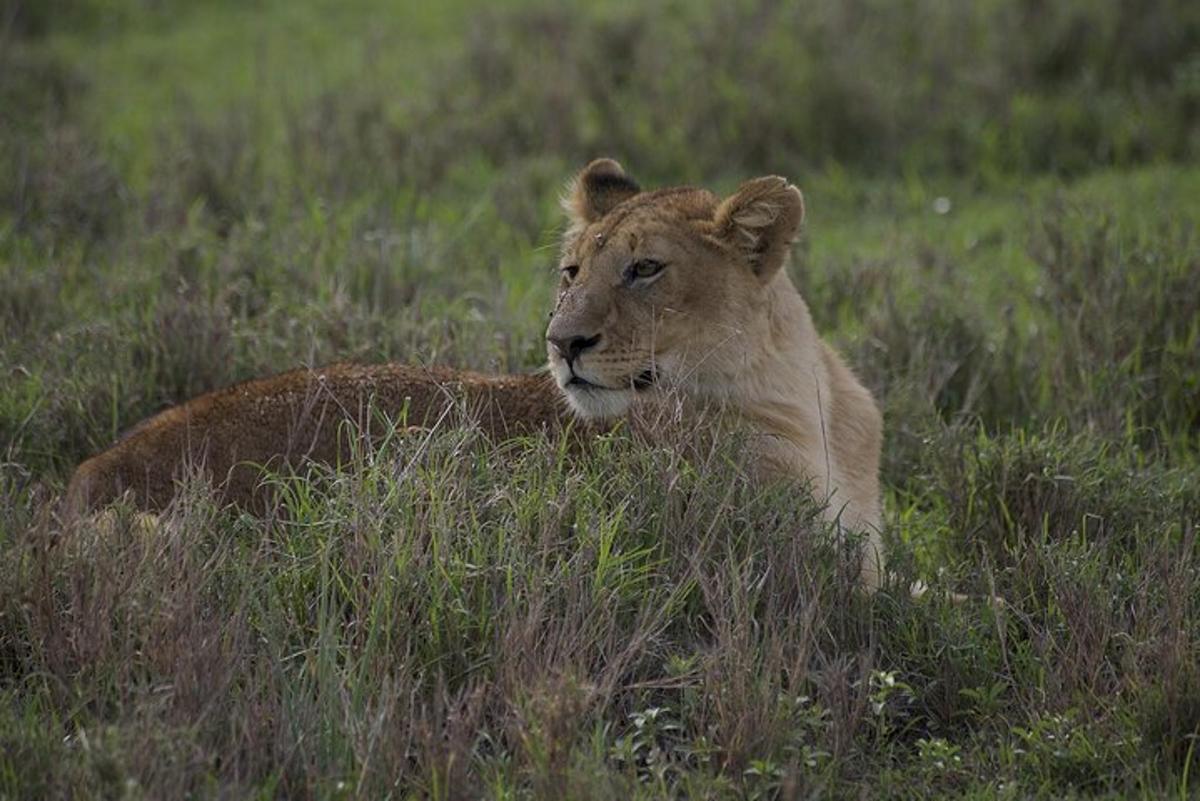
column 643, row 268
column 570, row 271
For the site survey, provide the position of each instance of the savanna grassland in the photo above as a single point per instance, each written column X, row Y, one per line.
column 1003, row 238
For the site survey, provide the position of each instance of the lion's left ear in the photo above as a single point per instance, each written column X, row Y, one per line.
column 761, row 219
column 599, row 188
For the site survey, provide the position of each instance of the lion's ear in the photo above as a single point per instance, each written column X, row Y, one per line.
column 597, row 190
column 761, row 219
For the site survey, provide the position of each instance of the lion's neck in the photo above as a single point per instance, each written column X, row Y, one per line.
column 785, row 381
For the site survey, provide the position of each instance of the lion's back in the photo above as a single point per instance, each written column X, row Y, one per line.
column 230, row 434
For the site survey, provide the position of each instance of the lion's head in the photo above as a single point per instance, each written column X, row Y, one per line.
column 665, row 288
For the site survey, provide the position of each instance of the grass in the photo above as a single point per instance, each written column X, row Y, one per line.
column 1003, row 237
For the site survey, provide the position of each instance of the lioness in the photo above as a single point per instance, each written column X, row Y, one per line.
column 673, row 288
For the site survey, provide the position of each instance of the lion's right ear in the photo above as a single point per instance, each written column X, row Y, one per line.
column 760, row 220
column 599, row 188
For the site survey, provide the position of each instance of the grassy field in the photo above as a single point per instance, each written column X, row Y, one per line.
column 1003, row 238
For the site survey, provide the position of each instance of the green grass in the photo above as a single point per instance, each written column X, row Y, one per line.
column 196, row 193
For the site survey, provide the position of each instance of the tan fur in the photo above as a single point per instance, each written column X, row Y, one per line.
column 720, row 323
column 301, row 415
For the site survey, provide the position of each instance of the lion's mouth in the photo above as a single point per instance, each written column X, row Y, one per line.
column 643, row 380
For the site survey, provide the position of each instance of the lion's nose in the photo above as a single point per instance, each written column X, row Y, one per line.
column 570, row 347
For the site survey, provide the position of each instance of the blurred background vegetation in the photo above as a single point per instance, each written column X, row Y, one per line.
column 1004, row 200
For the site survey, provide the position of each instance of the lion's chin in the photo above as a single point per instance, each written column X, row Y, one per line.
column 595, row 403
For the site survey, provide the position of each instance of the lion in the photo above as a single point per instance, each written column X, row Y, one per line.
column 673, row 291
